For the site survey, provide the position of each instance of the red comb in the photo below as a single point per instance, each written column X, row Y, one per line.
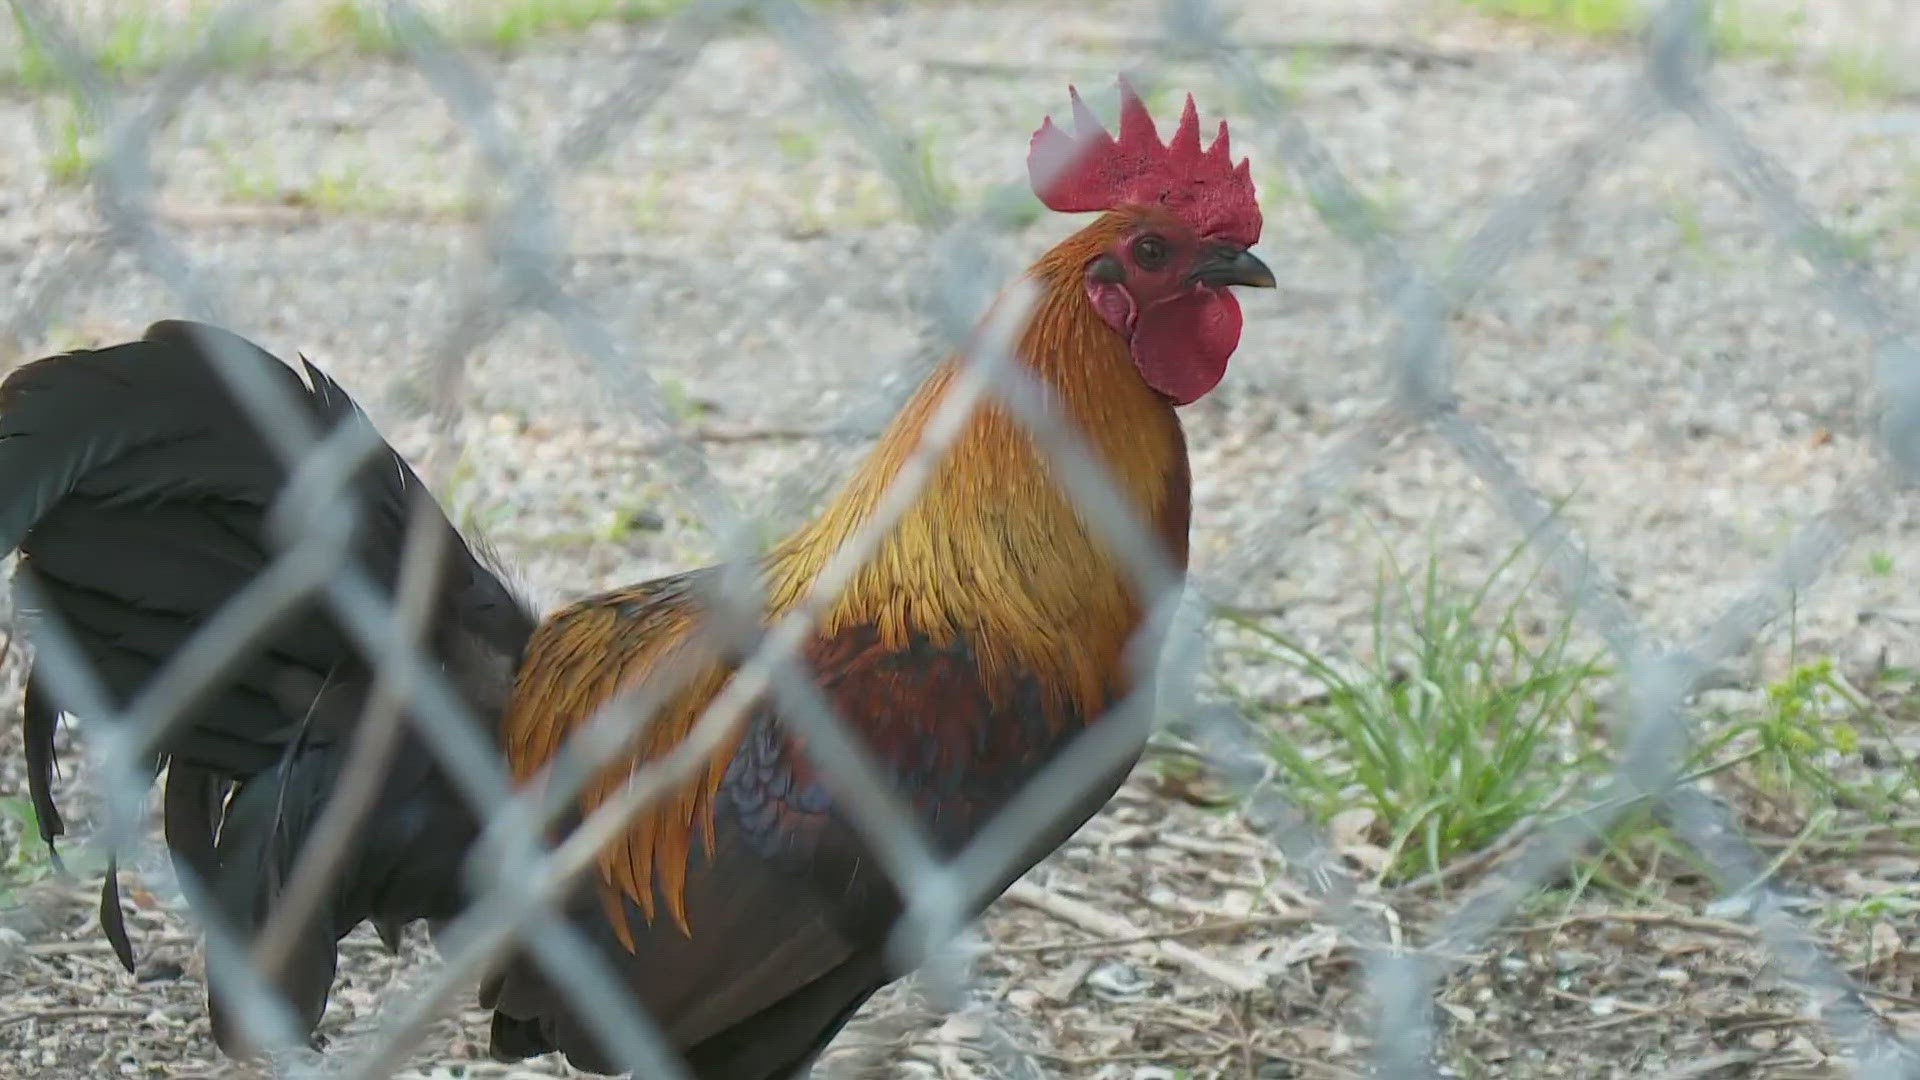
column 1091, row 170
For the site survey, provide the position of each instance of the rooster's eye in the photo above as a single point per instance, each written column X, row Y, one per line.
column 1150, row 252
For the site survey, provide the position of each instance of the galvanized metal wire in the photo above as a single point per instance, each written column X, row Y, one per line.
column 521, row 877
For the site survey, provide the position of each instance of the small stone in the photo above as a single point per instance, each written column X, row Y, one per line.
column 1568, row 960
column 1735, row 907
column 1117, row 981
column 962, row 1029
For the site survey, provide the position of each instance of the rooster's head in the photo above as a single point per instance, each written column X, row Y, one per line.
column 1181, row 220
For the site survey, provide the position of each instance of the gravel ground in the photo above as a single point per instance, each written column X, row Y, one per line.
column 1660, row 358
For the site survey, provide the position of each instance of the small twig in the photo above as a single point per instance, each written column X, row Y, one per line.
column 1196, row 845
column 1895, row 827
column 1245, row 1046
column 1307, row 1064
column 1815, row 847
column 1590, row 1002
column 70, row 1014
column 1266, row 611
column 1709, row 1065
column 1658, row 918
column 1343, row 48
column 89, row 948
column 294, row 213
column 1866, row 990
column 1087, row 917
column 1206, row 929
column 1619, row 1020
column 1762, row 1022
column 775, row 434
column 713, row 436
column 1128, row 1057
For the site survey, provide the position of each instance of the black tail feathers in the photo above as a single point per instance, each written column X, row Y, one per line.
column 137, row 487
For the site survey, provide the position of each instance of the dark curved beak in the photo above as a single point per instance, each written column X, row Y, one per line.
column 1226, row 265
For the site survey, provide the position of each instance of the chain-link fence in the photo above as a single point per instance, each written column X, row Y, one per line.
column 524, row 273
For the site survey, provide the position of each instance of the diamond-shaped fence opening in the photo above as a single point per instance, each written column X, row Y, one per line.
column 517, row 271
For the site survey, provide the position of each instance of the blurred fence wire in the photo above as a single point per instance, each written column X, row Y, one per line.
column 522, row 877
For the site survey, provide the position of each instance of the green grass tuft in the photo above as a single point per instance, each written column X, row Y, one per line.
column 1795, row 751
column 1595, row 18
column 23, row 857
column 135, row 43
column 1466, row 720
column 73, row 155
column 1814, row 754
column 1863, row 77
column 503, row 25
column 1451, row 734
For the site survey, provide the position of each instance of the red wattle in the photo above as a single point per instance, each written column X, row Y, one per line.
column 1181, row 346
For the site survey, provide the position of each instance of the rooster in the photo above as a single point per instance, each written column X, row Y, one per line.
column 742, row 911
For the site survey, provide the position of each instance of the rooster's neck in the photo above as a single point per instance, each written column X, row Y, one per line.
column 993, row 550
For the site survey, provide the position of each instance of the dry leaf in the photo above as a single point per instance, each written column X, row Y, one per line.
column 1885, row 940
column 1352, row 828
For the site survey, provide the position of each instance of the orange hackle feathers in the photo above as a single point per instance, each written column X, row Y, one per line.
column 579, row 660
column 993, row 550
